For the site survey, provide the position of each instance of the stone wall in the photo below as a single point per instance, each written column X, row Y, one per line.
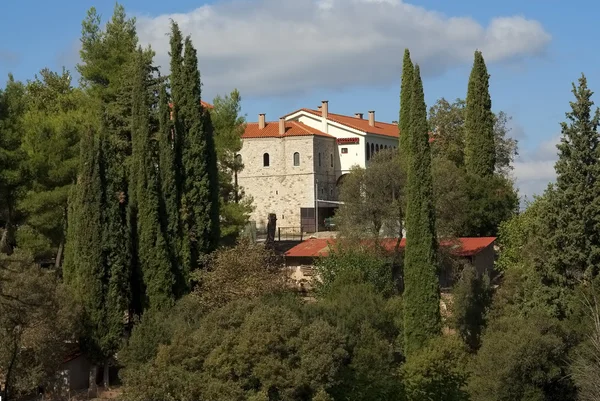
column 281, row 188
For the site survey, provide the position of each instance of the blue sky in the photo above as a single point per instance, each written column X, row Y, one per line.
column 533, row 85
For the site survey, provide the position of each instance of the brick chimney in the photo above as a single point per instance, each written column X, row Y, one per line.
column 358, row 115
column 261, row 121
column 324, row 108
column 372, row 118
column 281, row 126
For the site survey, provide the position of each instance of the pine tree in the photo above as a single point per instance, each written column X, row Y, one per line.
column 200, row 196
column 480, row 153
column 422, row 319
column 573, row 239
column 405, row 104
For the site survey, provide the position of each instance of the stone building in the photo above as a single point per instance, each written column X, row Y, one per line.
column 295, row 164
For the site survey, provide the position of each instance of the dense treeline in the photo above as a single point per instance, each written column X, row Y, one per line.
column 126, row 187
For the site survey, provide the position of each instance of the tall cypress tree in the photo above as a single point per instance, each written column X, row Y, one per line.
column 200, row 199
column 480, row 152
column 169, row 209
column 153, row 254
column 405, row 104
column 422, row 318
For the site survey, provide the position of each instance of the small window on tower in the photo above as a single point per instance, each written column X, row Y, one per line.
column 331, row 160
column 344, row 151
column 296, row 159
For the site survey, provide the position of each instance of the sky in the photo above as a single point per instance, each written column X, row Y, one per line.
column 287, row 54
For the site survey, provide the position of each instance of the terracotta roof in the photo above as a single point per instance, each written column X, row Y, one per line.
column 467, row 246
column 361, row 124
column 206, row 104
column 271, row 130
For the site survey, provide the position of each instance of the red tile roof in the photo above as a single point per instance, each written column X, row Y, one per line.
column 361, row 124
column 271, row 130
column 206, row 104
column 467, row 246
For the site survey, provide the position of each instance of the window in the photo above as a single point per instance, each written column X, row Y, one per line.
column 345, row 150
column 238, row 159
column 385, row 147
column 367, row 150
column 296, row 159
column 372, row 150
column 376, row 148
column 319, row 159
column 331, row 158
column 266, row 160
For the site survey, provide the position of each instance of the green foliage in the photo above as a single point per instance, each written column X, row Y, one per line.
column 491, row 201
column 229, row 126
column 224, row 358
column 447, row 121
column 52, row 123
column 195, row 143
column 472, row 296
column 480, row 155
column 422, row 319
column 12, row 171
column 374, row 199
column 573, row 240
column 438, row 371
column 451, row 195
column 522, row 358
column 404, row 121
column 152, row 247
column 36, row 321
column 355, row 263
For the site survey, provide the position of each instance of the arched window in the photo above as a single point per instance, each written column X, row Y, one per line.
column 266, row 160
column 385, row 147
column 238, row 159
column 331, row 158
column 296, row 159
column 368, row 151
column 376, row 148
column 372, row 150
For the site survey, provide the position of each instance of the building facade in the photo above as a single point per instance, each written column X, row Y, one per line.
column 293, row 167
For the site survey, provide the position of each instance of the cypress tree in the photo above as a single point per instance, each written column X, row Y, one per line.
column 200, row 198
column 169, row 209
column 422, row 318
column 153, row 255
column 405, row 104
column 480, row 152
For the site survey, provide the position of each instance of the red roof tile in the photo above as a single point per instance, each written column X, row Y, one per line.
column 206, row 104
column 467, row 246
column 271, row 130
column 361, row 124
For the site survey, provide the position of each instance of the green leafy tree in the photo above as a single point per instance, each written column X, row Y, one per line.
column 573, row 243
column 12, row 157
column 438, row 371
column 422, row 319
column 37, row 320
column 404, row 121
column 229, row 127
column 480, row 155
column 52, row 127
column 447, row 121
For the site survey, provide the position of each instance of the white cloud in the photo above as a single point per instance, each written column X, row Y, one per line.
column 277, row 47
column 534, row 169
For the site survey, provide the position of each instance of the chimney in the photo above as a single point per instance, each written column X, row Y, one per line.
column 281, row 126
column 261, row 121
column 372, row 118
column 324, row 108
column 358, row 115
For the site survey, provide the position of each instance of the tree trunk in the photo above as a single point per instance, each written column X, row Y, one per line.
column 93, row 388
column 8, row 376
column 105, row 375
column 58, row 260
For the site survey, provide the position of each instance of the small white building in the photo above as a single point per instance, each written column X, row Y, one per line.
column 293, row 163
